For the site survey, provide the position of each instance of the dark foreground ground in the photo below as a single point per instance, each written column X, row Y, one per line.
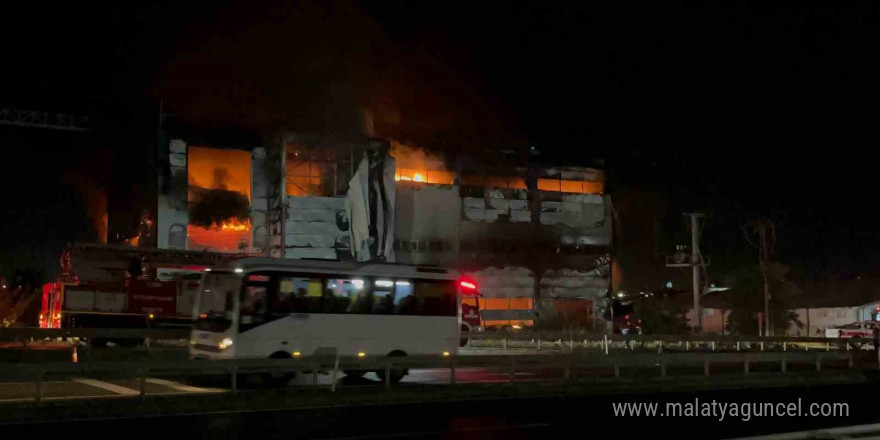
column 517, row 415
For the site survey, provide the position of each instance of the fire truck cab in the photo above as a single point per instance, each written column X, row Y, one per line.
column 102, row 294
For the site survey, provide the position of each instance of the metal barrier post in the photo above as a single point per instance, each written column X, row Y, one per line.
column 233, row 381
column 818, row 363
column 762, row 345
column 687, row 345
column 571, row 343
column 605, row 342
column 335, row 371
column 745, row 366
column 452, row 371
column 827, row 346
column 539, row 340
column 784, row 365
column 737, row 345
column 315, row 366
column 784, row 347
column 144, row 373
column 659, row 346
column 713, row 345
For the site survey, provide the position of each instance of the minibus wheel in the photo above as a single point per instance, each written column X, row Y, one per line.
column 278, row 378
column 396, row 373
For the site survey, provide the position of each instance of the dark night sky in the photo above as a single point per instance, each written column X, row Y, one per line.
column 742, row 107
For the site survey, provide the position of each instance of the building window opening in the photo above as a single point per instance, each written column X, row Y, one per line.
column 307, row 173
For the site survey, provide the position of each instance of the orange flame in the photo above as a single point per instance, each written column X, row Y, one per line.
column 233, row 225
column 230, row 235
column 414, row 164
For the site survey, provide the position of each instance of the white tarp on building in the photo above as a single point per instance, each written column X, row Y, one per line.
column 371, row 219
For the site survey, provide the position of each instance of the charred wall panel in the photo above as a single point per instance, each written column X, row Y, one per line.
column 173, row 212
column 316, row 227
column 427, row 224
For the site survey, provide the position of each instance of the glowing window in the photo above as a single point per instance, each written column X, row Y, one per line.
column 440, row 177
column 549, row 185
column 304, row 175
column 572, row 186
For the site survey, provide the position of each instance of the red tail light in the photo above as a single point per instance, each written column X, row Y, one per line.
column 468, row 285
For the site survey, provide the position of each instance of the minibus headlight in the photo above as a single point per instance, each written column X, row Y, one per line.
column 225, row 343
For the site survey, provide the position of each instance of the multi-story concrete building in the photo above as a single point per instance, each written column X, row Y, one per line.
column 534, row 237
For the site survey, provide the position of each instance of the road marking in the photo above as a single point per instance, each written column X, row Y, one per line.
column 459, row 375
column 182, row 387
column 446, row 381
column 31, row 382
column 108, row 386
column 450, row 432
column 31, row 399
column 479, row 370
column 467, row 370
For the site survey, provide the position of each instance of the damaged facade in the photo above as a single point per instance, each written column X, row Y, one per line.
column 533, row 238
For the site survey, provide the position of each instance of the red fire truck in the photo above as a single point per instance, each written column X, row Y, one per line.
column 96, row 291
column 470, row 309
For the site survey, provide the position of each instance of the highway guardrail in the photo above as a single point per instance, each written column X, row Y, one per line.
column 563, row 364
column 501, row 339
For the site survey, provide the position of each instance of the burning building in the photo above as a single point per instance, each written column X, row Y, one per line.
column 206, row 203
column 219, row 199
column 533, row 237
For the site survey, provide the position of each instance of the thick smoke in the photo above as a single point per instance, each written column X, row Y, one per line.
column 211, row 207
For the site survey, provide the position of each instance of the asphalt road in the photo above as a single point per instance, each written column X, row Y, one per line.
column 508, row 418
column 109, row 387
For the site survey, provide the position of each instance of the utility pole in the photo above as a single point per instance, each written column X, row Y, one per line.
column 696, row 262
column 155, row 160
column 764, row 231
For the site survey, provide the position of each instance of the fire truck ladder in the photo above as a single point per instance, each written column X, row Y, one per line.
column 35, row 119
column 166, row 257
